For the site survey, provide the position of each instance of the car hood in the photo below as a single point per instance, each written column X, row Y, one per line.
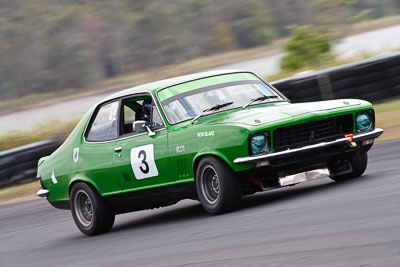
column 258, row 115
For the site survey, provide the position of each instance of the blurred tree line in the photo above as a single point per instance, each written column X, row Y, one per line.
column 51, row 45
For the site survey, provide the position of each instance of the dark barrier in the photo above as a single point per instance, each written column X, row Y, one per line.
column 373, row 80
column 19, row 164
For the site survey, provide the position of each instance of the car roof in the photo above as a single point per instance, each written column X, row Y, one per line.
column 155, row 86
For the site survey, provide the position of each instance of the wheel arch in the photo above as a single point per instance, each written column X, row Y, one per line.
column 204, row 154
column 83, row 179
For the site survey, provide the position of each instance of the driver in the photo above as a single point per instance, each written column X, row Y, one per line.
column 145, row 112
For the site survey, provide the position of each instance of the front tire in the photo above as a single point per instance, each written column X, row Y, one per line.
column 358, row 164
column 218, row 188
column 91, row 214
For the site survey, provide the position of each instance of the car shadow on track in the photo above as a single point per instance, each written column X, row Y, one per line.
column 195, row 211
column 164, row 216
column 297, row 191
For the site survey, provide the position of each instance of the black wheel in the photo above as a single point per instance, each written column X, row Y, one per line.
column 90, row 213
column 218, row 188
column 358, row 164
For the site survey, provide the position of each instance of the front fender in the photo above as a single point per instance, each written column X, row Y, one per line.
column 222, row 156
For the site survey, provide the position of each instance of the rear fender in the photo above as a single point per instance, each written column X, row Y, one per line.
column 81, row 178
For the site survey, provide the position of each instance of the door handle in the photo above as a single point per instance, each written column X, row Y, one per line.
column 118, row 149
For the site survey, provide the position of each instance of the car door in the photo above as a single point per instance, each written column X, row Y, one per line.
column 95, row 155
column 141, row 159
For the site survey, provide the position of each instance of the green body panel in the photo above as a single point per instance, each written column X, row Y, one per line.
column 178, row 147
column 95, row 163
column 122, row 162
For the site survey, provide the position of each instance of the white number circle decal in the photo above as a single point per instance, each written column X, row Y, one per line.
column 142, row 162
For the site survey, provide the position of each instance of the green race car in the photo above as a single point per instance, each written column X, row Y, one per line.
column 211, row 136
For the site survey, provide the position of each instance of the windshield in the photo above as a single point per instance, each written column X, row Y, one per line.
column 190, row 104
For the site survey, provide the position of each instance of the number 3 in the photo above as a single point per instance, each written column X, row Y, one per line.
column 146, row 170
column 143, row 163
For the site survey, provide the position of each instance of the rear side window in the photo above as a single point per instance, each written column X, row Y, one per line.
column 104, row 127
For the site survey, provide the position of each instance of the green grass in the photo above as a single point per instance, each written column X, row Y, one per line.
column 328, row 64
column 388, row 118
column 370, row 25
column 41, row 132
column 19, row 192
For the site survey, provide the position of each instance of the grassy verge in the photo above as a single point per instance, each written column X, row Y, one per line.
column 41, row 132
column 19, row 193
column 388, row 118
column 327, row 64
column 370, row 25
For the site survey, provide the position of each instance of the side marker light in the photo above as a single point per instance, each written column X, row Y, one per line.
column 262, row 163
column 367, row 142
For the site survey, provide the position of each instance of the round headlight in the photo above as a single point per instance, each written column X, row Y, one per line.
column 259, row 143
column 363, row 121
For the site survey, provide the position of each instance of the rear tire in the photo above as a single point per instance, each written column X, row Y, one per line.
column 218, row 188
column 358, row 163
column 91, row 214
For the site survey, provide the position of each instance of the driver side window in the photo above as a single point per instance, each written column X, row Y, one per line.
column 139, row 108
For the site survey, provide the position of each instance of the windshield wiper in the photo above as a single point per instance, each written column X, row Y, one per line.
column 212, row 108
column 260, row 98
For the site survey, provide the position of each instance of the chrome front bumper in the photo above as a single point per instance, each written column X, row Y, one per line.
column 43, row 193
column 341, row 141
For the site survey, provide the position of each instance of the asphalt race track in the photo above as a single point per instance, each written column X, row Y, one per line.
column 319, row 223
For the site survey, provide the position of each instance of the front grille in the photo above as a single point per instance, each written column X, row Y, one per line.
column 312, row 132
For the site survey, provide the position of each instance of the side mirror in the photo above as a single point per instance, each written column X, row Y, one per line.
column 141, row 126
